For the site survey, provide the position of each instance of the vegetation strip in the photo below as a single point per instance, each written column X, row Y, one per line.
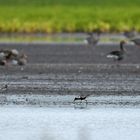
column 68, row 16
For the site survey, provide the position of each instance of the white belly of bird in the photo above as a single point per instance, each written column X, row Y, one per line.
column 14, row 62
column 112, row 56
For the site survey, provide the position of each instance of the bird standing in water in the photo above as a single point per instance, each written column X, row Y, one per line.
column 81, row 98
column 118, row 54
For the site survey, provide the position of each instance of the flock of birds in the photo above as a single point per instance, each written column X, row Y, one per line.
column 12, row 57
column 117, row 55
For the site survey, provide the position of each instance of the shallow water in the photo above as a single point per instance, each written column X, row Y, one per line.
column 64, row 101
column 41, row 123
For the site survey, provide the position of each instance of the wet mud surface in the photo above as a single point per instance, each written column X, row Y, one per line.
column 70, row 70
column 73, row 53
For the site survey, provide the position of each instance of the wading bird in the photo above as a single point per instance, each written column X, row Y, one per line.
column 118, row 54
column 81, row 98
column 20, row 60
column 93, row 38
column 136, row 41
column 131, row 34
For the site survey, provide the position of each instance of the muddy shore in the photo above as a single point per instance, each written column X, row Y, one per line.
column 71, row 69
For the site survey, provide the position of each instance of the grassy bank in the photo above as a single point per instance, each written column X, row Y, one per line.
column 66, row 16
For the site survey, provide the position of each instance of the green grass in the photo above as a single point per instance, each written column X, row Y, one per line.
column 68, row 16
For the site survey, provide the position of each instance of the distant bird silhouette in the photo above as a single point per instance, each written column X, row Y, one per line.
column 19, row 60
column 136, row 41
column 119, row 54
column 130, row 34
column 81, row 98
column 8, row 56
column 93, row 38
column 4, row 87
column 22, row 59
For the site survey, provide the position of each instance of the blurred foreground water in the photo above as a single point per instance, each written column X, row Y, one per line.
column 40, row 123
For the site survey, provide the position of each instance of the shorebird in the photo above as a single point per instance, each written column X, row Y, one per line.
column 136, row 41
column 19, row 60
column 118, row 54
column 22, row 60
column 8, row 54
column 13, row 57
column 92, row 39
column 130, row 34
column 11, row 54
column 81, row 98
